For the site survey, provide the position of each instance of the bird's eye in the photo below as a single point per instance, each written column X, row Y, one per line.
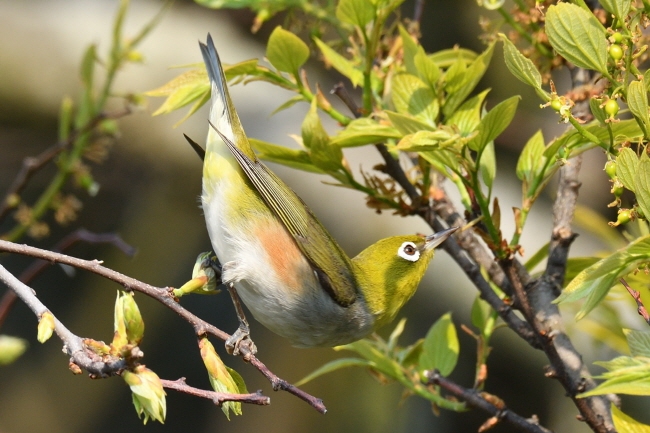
column 408, row 251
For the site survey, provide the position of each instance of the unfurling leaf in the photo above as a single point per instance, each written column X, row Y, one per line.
column 147, row 392
column 45, row 327
column 221, row 377
column 204, row 279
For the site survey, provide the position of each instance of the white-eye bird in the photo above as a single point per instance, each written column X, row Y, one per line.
column 283, row 264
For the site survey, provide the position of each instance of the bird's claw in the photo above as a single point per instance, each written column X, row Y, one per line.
column 240, row 343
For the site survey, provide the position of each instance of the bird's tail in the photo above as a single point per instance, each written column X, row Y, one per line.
column 223, row 115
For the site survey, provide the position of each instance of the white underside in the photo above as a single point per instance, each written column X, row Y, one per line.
column 307, row 316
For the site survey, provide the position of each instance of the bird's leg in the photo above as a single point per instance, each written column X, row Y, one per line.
column 241, row 337
column 239, row 341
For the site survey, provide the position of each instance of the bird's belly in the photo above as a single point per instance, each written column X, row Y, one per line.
column 273, row 278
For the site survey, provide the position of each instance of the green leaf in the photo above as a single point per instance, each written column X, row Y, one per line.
column 626, row 375
column 427, row 140
column 355, row 12
column 288, row 104
column 380, row 361
column 481, row 312
column 340, row 63
column 407, row 124
column 521, row 66
column 294, row 158
column 627, row 167
column 364, row 131
column 639, row 342
column 627, row 424
column 531, row 158
column 637, row 102
column 598, row 111
column 620, row 8
column 11, row 348
column 323, row 154
column 488, row 164
column 461, row 86
column 188, row 87
column 494, row 123
column 331, row 366
column 595, row 281
column 286, row 51
column 440, row 348
column 625, row 130
column 410, row 49
column 412, row 96
column 394, row 336
column 577, row 36
column 642, row 184
column 446, row 58
column 427, row 69
column 468, row 115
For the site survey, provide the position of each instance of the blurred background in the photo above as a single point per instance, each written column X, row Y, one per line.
column 149, row 195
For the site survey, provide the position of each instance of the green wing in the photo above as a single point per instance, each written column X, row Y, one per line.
column 332, row 265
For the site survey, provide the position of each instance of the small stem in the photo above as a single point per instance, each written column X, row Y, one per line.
column 494, row 407
column 162, row 295
column 636, row 295
column 217, row 398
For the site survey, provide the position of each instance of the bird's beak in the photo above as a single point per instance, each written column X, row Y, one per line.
column 432, row 241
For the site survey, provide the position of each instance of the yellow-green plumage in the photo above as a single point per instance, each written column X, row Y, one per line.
column 285, row 266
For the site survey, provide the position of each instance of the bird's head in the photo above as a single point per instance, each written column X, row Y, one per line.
column 389, row 271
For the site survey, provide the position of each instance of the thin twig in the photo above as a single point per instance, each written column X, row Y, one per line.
column 636, row 295
column 491, row 405
column 165, row 297
column 217, row 398
column 38, row 266
column 73, row 345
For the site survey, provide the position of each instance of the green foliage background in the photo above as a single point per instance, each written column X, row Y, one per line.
column 148, row 193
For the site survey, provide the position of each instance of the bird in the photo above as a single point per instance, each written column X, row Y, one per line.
column 279, row 259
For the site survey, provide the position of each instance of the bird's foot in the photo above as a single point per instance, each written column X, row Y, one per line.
column 240, row 343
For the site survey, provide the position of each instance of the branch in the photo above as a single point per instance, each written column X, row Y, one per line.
column 73, row 345
column 38, row 266
column 164, row 296
column 217, row 398
column 636, row 295
column 491, row 405
column 566, row 362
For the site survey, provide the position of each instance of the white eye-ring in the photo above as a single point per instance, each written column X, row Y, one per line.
column 408, row 251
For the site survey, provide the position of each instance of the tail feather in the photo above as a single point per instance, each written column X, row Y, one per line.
column 223, row 115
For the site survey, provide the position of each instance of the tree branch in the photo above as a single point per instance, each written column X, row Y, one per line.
column 217, row 398
column 636, row 295
column 162, row 295
column 38, row 266
column 491, row 405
